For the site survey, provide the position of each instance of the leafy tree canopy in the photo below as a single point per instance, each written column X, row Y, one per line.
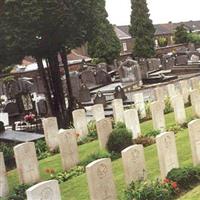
column 181, row 34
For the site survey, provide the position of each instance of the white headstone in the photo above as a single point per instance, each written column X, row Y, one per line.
column 100, row 180
column 194, row 58
column 98, row 112
column 104, row 129
column 50, row 126
column 4, row 190
column 171, row 90
column 160, row 94
column 195, row 101
column 118, row 110
column 194, row 130
column 179, row 109
column 185, row 90
column 132, row 122
column 4, row 118
column 80, row 122
column 68, row 148
column 158, row 116
column 27, row 163
column 195, row 83
column 167, row 153
column 47, row 190
column 134, row 163
column 139, row 104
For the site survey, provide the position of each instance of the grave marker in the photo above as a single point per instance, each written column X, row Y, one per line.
column 98, row 112
column 118, row 110
column 139, row 104
column 195, row 101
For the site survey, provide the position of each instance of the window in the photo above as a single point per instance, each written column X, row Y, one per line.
column 125, row 46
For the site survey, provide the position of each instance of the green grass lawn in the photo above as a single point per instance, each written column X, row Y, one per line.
column 77, row 189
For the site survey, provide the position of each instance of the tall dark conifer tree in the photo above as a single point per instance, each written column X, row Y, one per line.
column 142, row 30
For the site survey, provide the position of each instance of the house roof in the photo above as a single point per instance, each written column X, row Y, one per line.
column 122, row 34
column 168, row 28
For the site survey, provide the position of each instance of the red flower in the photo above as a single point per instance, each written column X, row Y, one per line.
column 174, row 185
column 166, row 180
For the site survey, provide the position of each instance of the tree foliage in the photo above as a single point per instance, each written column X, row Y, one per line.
column 194, row 38
column 105, row 45
column 181, row 34
column 142, row 30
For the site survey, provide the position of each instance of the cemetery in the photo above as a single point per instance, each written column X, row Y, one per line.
column 86, row 115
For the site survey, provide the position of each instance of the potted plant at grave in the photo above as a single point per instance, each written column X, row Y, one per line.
column 30, row 118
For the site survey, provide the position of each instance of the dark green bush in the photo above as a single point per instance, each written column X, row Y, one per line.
column 150, row 191
column 42, row 149
column 152, row 133
column 168, row 106
column 119, row 139
column 92, row 130
column 8, row 153
column 145, row 141
column 119, row 125
column 185, row 177
column 19, row 192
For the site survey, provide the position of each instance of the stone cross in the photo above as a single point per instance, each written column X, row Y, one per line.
column 132, row 122
column 194, row 129
column 100, row 180
column 50, row 126
column 98, row 112
column 80, row 122
column 68, row 148
column 167, row 153
column 195, row 101
column 27, row 163
column 47, row 190
column 118, row 110
column 104, row 129
column 134, row 163
column 158, row 116
column 139, row 104
column 4, row 190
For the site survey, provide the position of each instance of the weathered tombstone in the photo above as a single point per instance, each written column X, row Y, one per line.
column 182, row 60
column 191, row 47
column 171, row 90
column 4, row 118
column 158, row 117
column 168, row 61
column 42, row 107
column 194, row 58
column 50, row 127
column 80, row 122
column 75, row 84
column 100, row 98
column 104, row 129
column 134, row 164
column 195, row 83
column 84, row 94
column 184, row 90
column 195, row 101
column 98, row 112
column 103, row 77
column 132, row 122
column 154, row 64
column 68, row 148
column 167, row 153
column 47, row 190
column 27, row 163
column 160, row 95
column 102, row 66
column 12, row 109
column 119, row 93
column 179, row 109
column 140, row 105
column 88, row 78
column 144, row 68
column 194, row 129
column 118, row 110
column 4, row 190
column 100, row 180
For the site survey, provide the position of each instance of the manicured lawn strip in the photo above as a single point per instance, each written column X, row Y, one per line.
column 77, row 188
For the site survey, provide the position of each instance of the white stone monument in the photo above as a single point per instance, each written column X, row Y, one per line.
column 98, row 112
column 195, row 83
column 4, row 118
column 139, row 104
column 134, row 163
column 80, row 122
column 100, row 180
column 171, row 90
column 118, row 110
column 47, row 190
column 185, row 90
column 68, row 148
column 167, row 153
column 27, row 163
column 195, row 101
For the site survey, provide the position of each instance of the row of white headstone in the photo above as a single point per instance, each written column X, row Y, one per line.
column 99, row 172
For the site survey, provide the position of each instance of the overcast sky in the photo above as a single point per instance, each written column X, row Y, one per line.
column 162, row 11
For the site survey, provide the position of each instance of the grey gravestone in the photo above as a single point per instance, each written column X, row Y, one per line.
column 191, row 47
column 144, row 68
column 154, row 64
column 103, row 77
column 102, row 66
column 11, row 108
column 168, row 61
column 42, row 107
column 100, row 98
column 75, row 83
column 84, row 94
column 119, row 93
column 88, row 78
column 182, row 60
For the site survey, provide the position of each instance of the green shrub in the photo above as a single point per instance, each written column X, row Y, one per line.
column 42, row 149
column 19, row 192
column 8, row 153
column 168, row 106
column 145, row 141
column 94, row 156
column 148, row 110
column 152, row 133
column 119, row 125
column 92, row 130
column 175, row 129
column 119, row 139
column 155, row 190
column 185, row 177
